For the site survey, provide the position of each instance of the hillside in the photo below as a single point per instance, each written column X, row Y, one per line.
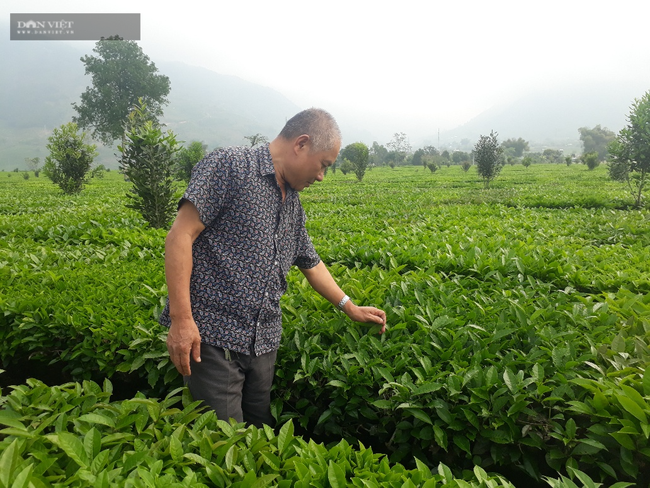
column 47, row 77
column 551, row 117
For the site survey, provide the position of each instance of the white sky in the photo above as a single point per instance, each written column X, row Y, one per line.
column 407, row 64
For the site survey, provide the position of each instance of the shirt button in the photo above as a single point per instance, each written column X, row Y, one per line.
column 275, row 263
column 266, row 293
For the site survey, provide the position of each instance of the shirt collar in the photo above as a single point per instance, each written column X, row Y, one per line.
column 266, row 162
column 267, row 168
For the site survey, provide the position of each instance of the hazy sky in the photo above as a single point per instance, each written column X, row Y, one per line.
column 409, row 64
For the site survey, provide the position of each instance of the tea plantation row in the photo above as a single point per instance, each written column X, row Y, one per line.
column 518, row 317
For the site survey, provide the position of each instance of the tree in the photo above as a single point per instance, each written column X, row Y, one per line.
column 418, row 158
column 630, row 151
column 596, row 140
column 33, row 164
column 527, row 161
column 400, row 147
column 392, row 157
column 459, row 157
column 70, row 158
column 147, row 160
column 378, row 154
column 121, row 74
column 187, row 158
column 553, row 155
column 256, row 139
column 466, row 165
column 487, row 154
column 430, row 151
column 357, row 154
column 519, row 145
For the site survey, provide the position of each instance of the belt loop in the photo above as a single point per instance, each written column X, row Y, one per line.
column 226, row 354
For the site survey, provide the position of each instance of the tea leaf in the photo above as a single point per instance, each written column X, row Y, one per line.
column 336, row 476
column 632, row 407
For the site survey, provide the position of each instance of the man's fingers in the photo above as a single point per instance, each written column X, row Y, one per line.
column 196, row 351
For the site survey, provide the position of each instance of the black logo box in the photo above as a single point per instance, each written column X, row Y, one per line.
column 74, row 27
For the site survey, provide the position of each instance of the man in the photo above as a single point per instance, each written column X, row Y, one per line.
column 240, row 227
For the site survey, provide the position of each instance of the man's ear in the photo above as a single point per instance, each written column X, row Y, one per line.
column 301, row 142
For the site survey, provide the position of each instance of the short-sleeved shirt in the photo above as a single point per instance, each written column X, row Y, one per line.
column 242, row 257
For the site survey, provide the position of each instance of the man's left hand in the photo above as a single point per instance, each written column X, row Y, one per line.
column 366, row 314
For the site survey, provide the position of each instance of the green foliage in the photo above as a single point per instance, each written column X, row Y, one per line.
column 466, row 165
column 460, row 157
column 378, row 154
column 553, row 156
column 98, row 171
column 596, row 140
column 418, row 158
column 121, row 75
column 527, row 161
column 85, row 440
column 511, row 313
column 70, row 158
column 357, row 154
column 398, row 148
column 630, row 150
column 590, row 160
column 346, row 166
column 147, row 160
column 519, row 146
column 487, row 154
column 256, row 139
column 187, row 158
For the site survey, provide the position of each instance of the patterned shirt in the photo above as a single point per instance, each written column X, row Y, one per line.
column 241, row 259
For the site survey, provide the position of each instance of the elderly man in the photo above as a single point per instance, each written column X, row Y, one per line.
column 240, row 227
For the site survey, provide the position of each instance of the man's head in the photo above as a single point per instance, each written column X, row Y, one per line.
column 319, row 125
column 307, row 145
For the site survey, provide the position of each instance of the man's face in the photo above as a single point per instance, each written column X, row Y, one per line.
column 310, row 166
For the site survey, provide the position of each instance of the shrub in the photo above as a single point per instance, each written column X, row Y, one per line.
column 147, row 160
column 591, row 160
column 346, row 166
column 187, row 158
column 487, row 154
column 73, row 434
column 70, row 158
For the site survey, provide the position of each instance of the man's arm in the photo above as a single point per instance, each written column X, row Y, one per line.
column 321, row 280
column 183, row 337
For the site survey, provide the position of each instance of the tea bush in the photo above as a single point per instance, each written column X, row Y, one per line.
column 518, row 317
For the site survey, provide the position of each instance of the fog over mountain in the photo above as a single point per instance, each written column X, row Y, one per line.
column 551, row 117
column 40, row 80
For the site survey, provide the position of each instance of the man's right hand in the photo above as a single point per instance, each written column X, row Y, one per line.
column 184, row 339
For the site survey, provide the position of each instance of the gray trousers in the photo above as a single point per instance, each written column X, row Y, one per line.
column 234, row 385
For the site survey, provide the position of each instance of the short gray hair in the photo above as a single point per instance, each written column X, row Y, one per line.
column 319, row 125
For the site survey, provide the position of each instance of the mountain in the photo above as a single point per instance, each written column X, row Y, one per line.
column 551, row 117
column 220, row 109
column 42, row 79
